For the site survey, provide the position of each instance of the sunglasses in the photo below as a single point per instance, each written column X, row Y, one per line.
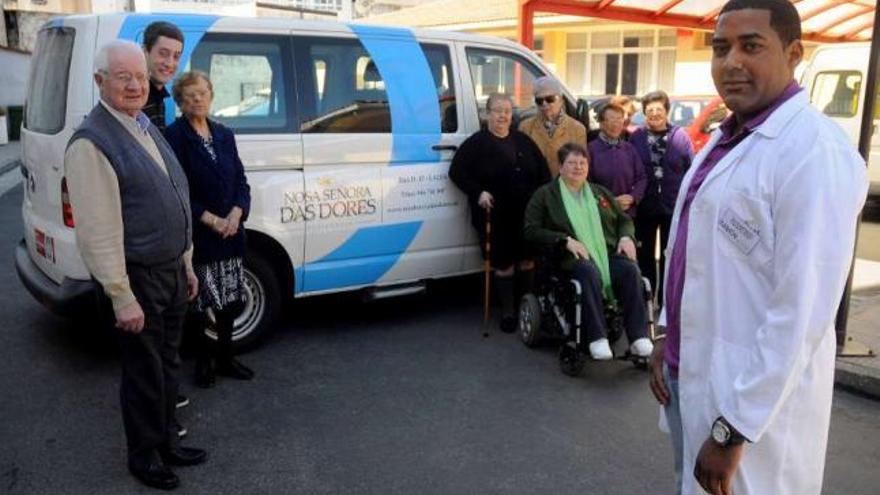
column 540, row 100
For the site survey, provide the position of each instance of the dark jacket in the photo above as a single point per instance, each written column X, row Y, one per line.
column 481, row 164
column 676, row 161
column 547, row 224
column 215, row 187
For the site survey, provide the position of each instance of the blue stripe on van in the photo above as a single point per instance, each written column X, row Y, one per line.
column 361, row 260
column 415, row 113
column 193, row 27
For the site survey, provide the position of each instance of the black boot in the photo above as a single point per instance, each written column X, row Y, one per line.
column 205, row 375
column 525, row 283
column 504, row 287
column 227, row 365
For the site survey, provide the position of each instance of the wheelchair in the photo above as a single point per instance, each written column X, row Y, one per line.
column 553, row 314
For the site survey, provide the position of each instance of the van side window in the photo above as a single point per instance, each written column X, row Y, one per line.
column 836, row 93
column 495, row 71
column 251, row 93
column 441, row 70
column 47, row 96
column 341, row 89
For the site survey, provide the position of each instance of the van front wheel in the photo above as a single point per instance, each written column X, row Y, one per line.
column 262, row 304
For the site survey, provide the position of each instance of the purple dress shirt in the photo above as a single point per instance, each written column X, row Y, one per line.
column 619, row 169
column 678, row 260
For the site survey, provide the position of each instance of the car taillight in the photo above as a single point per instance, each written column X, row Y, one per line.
column 66, row 209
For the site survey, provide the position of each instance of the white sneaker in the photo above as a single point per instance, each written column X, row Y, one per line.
column 642, row 347
column 600, row 350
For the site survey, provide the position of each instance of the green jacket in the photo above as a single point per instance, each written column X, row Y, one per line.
column 547, row 224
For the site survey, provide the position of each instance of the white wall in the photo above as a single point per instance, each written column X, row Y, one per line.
column 13, row 77
column 694, row 78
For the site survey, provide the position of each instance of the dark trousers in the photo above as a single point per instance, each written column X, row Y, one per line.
column 646, row 233
column 150, row 359
column 626, row 281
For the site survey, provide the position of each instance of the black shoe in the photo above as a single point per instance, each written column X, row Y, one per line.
column 508, row 324
column 181, row 430
column 205, row 376
column 182, row 401
column 183, row 456
column 234, row 369
column 155, row 475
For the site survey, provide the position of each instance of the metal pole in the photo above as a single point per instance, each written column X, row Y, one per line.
column 847, row 347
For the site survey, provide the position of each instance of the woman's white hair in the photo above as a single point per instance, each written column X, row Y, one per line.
column 102, row 58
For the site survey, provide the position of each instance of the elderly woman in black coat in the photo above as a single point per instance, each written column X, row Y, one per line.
column 220, row 199
column 499, row 168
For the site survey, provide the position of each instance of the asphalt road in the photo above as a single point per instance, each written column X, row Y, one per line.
column 398, row 396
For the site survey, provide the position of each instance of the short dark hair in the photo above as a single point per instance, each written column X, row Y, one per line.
column 569, row 148
column 161, row 28
column 784, row 17
column 616, row 107
column 655, row 96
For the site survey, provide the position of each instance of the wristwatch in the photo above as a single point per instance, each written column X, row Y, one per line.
column 725, row 435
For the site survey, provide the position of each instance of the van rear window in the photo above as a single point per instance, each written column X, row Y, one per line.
column 47, row 94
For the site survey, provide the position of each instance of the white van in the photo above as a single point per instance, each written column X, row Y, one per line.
column 834, row 79
column 346, row 132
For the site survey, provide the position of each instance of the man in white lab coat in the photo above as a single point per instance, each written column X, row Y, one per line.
column 761, row 242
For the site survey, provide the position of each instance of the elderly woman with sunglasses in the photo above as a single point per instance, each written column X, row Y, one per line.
column 551, row 127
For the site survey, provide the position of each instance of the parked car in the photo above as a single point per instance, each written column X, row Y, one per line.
column 709, row 119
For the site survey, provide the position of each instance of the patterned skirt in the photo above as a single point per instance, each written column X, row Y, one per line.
column 221, row 283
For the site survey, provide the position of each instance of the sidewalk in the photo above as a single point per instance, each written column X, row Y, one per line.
column 10, row 154
column 862, row 373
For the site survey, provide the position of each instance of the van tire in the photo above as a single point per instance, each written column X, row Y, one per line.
column 262, row 303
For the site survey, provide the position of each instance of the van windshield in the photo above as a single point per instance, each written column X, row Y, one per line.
column 47, row 96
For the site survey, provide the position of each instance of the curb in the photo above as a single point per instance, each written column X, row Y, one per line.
column 10, row 166
column 857, row 377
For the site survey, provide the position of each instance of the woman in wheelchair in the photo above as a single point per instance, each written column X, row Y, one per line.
column 594, row 239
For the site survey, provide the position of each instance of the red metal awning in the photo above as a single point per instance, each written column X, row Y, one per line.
column 822, row 20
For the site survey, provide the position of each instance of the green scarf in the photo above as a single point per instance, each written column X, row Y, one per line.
column 584, row 217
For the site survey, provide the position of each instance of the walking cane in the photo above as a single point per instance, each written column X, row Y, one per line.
column 487, row 274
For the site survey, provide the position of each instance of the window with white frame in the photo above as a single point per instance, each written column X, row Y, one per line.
column 630, row 62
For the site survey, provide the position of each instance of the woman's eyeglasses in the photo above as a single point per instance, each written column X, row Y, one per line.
column 540, row 100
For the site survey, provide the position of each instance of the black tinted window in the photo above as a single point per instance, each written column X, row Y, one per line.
column 342, row 89
column 47, row 95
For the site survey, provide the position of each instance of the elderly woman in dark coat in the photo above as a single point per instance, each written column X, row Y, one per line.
column 666, row 151
column 595, row 239
column 220, row 199
column 499, row 168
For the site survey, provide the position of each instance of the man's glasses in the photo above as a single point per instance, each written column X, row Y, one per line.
column 540, row 100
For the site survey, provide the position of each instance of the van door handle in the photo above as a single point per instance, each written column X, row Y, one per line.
column 444, row 147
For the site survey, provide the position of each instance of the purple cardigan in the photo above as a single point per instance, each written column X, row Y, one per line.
column 676, row 161
column 618, row 169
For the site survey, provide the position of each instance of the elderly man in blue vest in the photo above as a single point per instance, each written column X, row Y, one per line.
column 133, row 228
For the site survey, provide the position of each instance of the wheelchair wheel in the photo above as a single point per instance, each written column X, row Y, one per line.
column 530, row 320
column 571, row 361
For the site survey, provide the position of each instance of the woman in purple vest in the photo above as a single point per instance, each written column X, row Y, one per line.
column 666, row 151
column 220, row 199
column 614, row 163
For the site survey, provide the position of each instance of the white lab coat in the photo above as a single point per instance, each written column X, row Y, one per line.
column 769, row 246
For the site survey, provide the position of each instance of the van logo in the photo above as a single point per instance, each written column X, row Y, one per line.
column 325, row 181
column 328, row 203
